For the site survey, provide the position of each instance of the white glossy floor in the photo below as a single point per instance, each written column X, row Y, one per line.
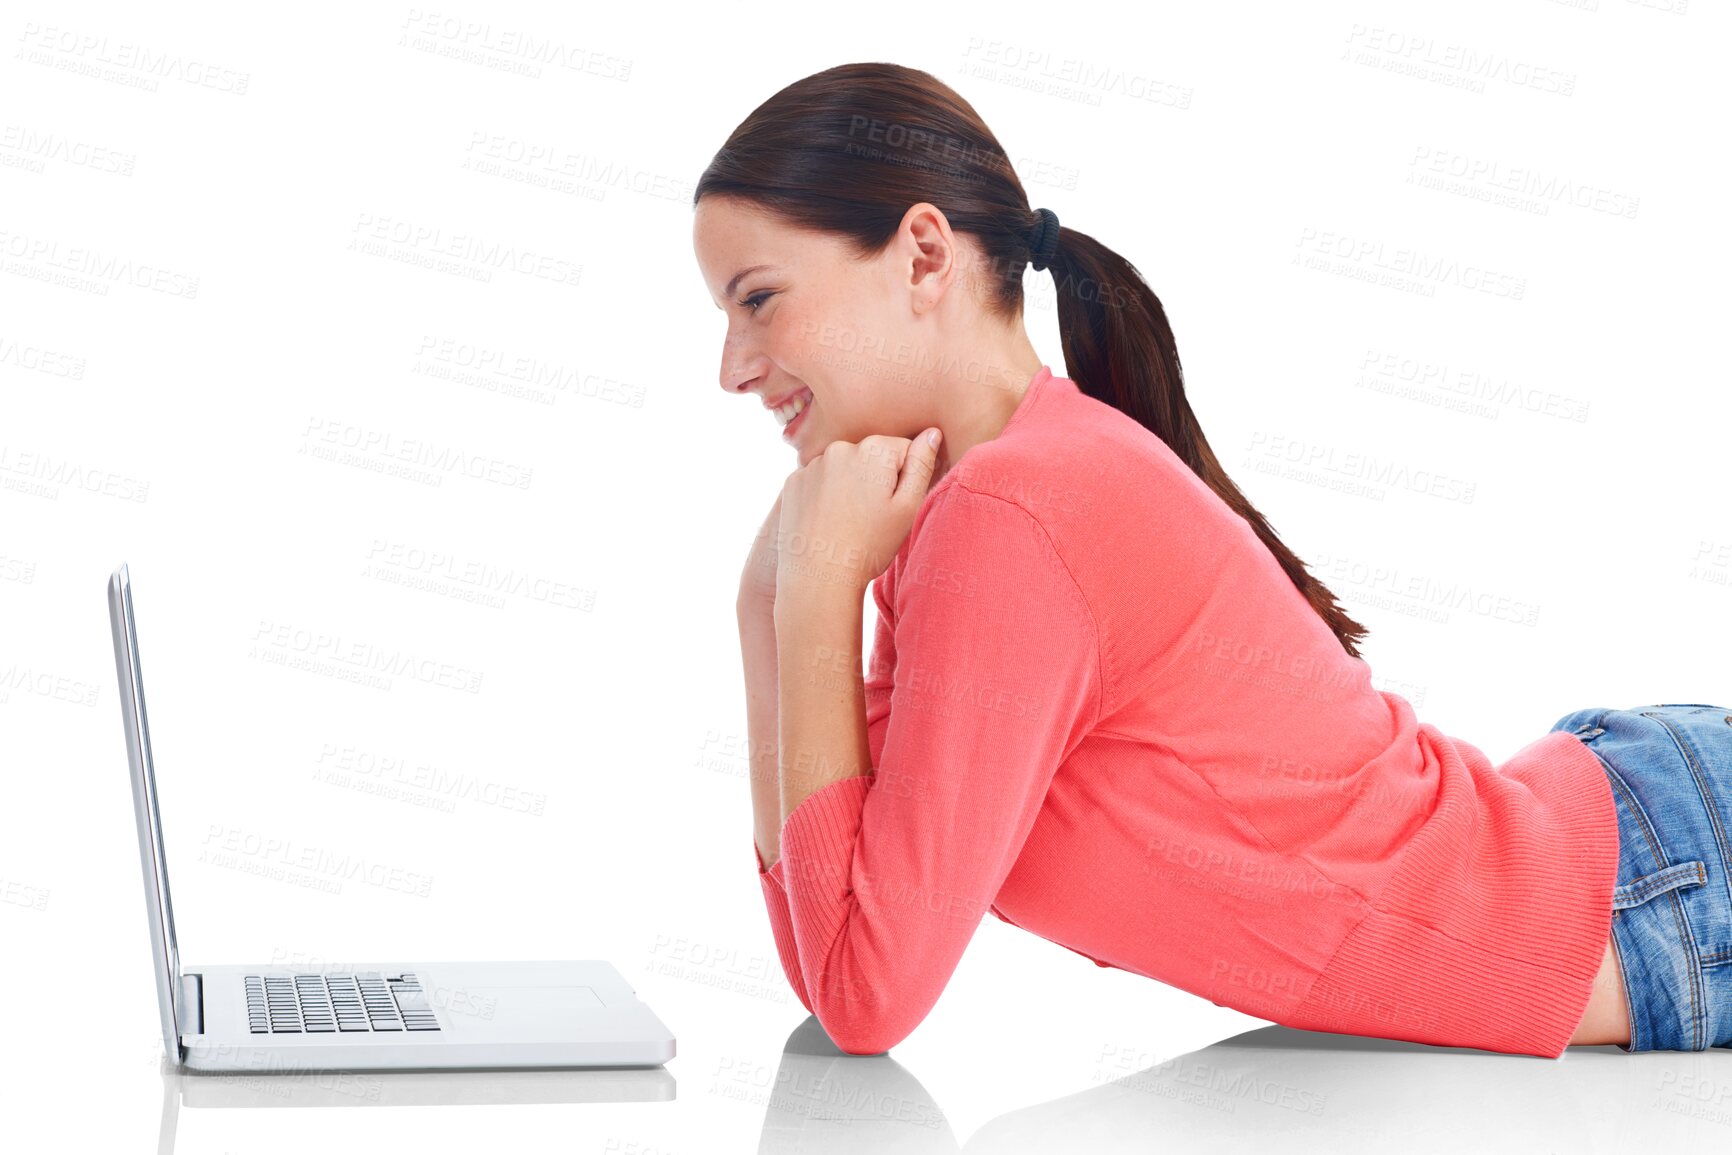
column 1265, row 1089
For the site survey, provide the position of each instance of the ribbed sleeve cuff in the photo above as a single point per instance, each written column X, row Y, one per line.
column 817, row 857
column 781, row 926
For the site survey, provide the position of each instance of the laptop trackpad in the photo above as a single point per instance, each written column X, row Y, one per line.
column 509, row 1008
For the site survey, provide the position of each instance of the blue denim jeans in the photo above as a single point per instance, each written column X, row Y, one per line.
column 1670, row 767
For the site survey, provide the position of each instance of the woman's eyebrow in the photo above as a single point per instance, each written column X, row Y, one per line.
column 739, row 276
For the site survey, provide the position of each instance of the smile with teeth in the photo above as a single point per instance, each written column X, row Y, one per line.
column 792, row 409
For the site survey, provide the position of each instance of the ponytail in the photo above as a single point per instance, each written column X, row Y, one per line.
column 1119, row 348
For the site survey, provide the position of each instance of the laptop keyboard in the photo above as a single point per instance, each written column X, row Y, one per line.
column 338, row 1003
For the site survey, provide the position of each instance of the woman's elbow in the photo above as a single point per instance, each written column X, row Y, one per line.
column 852, row 1040
column 857, row 1031
column 865, row 1012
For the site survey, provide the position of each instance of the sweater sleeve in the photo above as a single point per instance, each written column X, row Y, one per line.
column 996, row 671
column 877, row 686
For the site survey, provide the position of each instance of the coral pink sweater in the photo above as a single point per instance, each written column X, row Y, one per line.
column 1099, row 709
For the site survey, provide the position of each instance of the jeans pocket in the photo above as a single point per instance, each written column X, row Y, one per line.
column 1678, row 876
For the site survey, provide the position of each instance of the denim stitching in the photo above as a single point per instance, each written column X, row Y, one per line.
column 1712, row 806
column 1655, row 851
column 1670, row 878
column 1619, row 787
column 1659, row 856
column 1698, row 1007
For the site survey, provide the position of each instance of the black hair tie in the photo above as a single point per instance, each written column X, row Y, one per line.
column 1044, row 239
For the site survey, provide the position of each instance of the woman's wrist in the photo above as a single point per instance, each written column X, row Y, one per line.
column 754, row 610
column 759, row 659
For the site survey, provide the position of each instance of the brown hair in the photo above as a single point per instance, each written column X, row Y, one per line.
column 847, row 150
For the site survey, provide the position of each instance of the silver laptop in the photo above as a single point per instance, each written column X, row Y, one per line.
column 387, row 1016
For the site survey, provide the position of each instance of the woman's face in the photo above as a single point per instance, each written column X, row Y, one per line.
column 817, row 322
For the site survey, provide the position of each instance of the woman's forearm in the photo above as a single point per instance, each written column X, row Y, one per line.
column 758, row 656
column 821, row 700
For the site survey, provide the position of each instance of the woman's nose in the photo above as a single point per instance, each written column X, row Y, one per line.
column 737, row 376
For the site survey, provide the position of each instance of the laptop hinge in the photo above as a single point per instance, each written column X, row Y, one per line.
column 191, row 1004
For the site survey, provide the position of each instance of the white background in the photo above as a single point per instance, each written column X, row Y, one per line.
column 1314, row 193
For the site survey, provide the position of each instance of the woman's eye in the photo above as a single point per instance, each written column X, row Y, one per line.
column 752, row 302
